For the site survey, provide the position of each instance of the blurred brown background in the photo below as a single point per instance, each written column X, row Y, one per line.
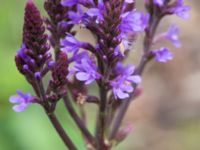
column 167, row 115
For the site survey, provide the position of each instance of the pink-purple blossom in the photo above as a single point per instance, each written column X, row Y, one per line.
column 180, row 9
column 171, row 35
column 21, row 100
column 122, row 83
column 69, row 2
column 162, row 55
column 85, row 70
column 159, row 2
column 70, row 44
column 133, row 21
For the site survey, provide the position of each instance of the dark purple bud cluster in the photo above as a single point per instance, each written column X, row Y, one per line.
column 34, row 54
column 57, row 23
column 59, row 73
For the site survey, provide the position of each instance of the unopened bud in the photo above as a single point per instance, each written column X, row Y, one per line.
column 123, row 133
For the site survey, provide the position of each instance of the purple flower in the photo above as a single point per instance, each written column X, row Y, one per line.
column 69, row 3
column 133, row 21
column 171, row 34
column 180, row 9
column 21, row 52
column 70, row 44
column 77, row 57
column 85, row 70
column 97, row 12
column 75, row 17
column 122, row 84
column 21, row 100
column 163, row 54
column 129, row 1
column 159, row 2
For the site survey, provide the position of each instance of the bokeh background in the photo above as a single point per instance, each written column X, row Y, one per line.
column 165, row 117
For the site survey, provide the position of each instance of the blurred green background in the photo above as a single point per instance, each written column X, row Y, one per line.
column 166, row 116
column 28, row 130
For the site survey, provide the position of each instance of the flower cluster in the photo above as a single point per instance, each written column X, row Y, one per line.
column 115, row 25
column 165, row 7
column 22, row 100
column 111, row 33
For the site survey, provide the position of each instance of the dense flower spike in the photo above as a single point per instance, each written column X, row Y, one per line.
column 22, row 100
column 33, row 30
column 115, row 25
column 99, row 13
column 60, row 71
column 33, row 54
column 57, row 23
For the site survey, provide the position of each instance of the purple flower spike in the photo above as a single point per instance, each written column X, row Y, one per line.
column 70, row 44
column 21, row 100
column 85, row 70
column 122, row 84
column 180, row 9
column 163, row 54
column 34, row 52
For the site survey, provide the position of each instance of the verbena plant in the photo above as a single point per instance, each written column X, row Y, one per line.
column 115, row 25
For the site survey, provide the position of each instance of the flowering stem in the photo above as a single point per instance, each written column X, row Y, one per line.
column 101, row 124
column 61, row 132
column 78, row 121
column 54, row 119
column 147, row 45
column 124, row 106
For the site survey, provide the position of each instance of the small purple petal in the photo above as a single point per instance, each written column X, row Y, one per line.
column 121, row 95
column 136, row 79
column 15, row 99
column 69, row 3
column 163, row 54
column 82, row 76
column 21, row 100
column 20, row 107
